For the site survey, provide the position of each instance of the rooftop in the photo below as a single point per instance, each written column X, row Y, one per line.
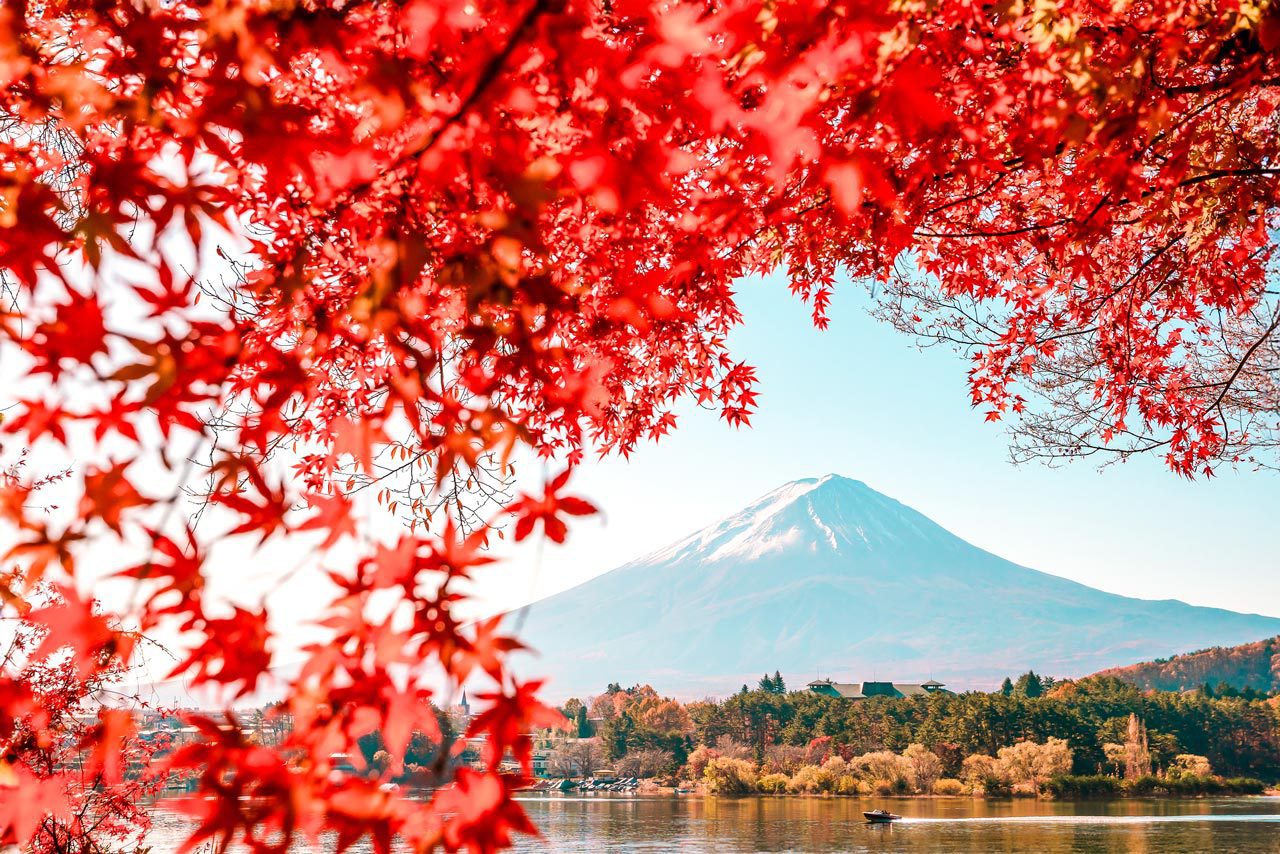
column 863, row 690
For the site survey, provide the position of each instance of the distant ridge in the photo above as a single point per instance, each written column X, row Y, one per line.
column 826, row 575
column 1252, row 665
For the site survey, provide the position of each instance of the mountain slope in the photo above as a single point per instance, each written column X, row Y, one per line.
column 1252, row 665
column 829, row 576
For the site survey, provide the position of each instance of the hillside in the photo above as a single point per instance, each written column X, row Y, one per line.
column 829, row 577
column 1252, row 665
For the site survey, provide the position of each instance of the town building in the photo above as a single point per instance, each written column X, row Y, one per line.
column 863, row 690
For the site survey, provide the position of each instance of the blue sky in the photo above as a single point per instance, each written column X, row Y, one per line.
column 862, row 401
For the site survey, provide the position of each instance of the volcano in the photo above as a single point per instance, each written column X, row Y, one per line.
column 827, row 577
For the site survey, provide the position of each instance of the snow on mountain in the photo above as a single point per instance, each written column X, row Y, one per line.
column 827, row 576
column 832, row 514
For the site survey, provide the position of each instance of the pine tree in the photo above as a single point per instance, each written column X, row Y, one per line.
column 779, row 687
column 1006, row 687
column 1029, row 684
column 616, row 736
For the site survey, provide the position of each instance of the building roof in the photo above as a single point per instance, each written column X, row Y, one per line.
column 847, row 690
column 862, row 690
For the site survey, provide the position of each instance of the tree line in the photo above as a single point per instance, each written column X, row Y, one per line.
column 1093, row 719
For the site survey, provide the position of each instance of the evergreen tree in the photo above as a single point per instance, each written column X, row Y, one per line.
column 1006, row 687
column 779, row 687
column 615, row 736
column 581, row 724
column 1029, row 684
column 766, row 683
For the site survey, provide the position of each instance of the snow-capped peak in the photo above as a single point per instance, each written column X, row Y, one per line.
column 830, row 514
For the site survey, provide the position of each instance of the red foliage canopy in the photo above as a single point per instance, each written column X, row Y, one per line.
column 461, row 226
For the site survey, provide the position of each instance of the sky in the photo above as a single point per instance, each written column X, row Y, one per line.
column 861, row 400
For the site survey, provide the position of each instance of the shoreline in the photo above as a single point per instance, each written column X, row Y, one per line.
column 663, row 792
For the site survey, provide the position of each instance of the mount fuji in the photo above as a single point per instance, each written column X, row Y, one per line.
column 826, row 576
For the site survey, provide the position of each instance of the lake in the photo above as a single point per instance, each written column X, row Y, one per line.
column 694, row 824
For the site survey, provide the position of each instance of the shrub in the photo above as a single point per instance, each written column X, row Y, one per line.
column 773, row 784
column 1031, row 763
column 648, row 762
column 811, row 780
column 783, row 759
column 1193, row 784
column 847, row 784
column 1083, row 786
column 978, row 769
column 995, row 787
column 1147, row 784
column 1244, row 786
column 948, row 786
column 837, row 767
column 884, row 766
column 1097, row 785
column 923, row 766
column 1189, row 765
column 698, row 761
column 725, row 776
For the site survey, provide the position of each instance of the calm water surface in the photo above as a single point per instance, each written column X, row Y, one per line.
column 690, row 824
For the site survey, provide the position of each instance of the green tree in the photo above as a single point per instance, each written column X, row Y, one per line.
column 773, row 684
column 616, row 736
column 1029, row 684
column 581, row 725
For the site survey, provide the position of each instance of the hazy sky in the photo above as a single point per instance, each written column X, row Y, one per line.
column 860, row 400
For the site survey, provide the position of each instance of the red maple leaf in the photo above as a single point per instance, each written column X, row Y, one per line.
column 529, row 511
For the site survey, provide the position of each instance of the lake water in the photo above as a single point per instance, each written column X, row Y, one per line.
column 693, row 824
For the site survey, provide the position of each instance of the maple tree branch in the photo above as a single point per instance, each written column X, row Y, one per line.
column 1244, row 360
column 1227, row 173
column 485, row 79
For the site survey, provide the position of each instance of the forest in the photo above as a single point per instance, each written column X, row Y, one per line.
column 1250, row 667
column 1096, row 727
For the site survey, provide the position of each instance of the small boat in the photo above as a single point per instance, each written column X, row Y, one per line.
column 880, row 817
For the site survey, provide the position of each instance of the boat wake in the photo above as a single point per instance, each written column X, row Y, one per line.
column 1095, row 819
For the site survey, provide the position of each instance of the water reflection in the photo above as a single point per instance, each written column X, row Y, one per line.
column 630, row 824
column 794, row 824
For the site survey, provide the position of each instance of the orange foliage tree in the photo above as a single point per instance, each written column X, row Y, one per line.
column 447, row 229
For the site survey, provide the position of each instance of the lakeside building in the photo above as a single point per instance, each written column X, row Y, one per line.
column 460, row 715
column 863, row 690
